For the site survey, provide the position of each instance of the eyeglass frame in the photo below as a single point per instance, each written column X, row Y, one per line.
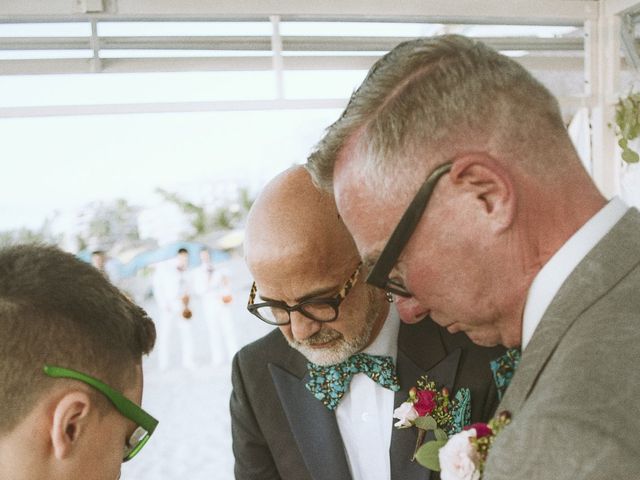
column 379, row 275
column 122, row 404
column 334, row 302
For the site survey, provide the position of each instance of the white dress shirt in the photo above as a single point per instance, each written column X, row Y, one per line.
column 553, row 274
column 365, row 413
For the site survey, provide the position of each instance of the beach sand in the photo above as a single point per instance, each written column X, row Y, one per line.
column 193, row 439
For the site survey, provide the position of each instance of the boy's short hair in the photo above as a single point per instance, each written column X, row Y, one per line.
column 57, row 310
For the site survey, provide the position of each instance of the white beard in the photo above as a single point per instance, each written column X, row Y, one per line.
column 342, row 348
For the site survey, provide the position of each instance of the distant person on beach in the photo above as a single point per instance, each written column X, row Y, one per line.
column 100, row 261
column 286, row 421
column 173, row 289
column 213, row 284
column 71, row 348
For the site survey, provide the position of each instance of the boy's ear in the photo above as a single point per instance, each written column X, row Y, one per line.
column 70, row 419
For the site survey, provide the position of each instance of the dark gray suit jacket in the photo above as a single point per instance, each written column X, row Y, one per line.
column 280, row 431
column 575, row 398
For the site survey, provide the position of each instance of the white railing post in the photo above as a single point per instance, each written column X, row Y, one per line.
column 602, row 65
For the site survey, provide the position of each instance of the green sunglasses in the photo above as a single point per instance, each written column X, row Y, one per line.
column 146, row 423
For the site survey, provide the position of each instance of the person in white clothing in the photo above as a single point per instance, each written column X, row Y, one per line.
column 101, row 261
column 172, row 289
column 213, row 285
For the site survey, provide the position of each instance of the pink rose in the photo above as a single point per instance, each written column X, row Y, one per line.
column 482, row 429
column 426, row 402
column 458, row 459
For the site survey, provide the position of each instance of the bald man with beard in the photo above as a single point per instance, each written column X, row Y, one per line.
column 309, row 283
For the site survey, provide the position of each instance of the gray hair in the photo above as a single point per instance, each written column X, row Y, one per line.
column 435, row 97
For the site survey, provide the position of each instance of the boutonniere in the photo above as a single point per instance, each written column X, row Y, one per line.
column 430, row 408
column 463, row 457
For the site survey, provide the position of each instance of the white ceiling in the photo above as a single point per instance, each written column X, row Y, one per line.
column 135, row 36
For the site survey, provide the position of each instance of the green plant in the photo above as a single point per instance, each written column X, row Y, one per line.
column 628, row 125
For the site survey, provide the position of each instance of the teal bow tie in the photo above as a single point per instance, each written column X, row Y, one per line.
column 329, row 384
column 503, row 369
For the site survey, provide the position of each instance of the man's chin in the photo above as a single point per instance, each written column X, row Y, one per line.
column 323, row 356
column 483, row 338
column 319, row 347
column 325, row 360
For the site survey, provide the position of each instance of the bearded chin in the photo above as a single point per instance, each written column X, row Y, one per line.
column 341, row 348
column 339, row 351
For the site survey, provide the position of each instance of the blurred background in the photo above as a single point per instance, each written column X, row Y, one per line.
column 131, row 129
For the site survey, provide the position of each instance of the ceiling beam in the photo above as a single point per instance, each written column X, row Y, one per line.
column 172, row 107
column 572, row 102
column 263, row 43
column 541, row 12
column 238, row 64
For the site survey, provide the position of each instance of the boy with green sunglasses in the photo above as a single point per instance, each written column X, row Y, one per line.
column 71, row 346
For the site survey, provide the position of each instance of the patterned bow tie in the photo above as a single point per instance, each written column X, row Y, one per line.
column 503, row 369
column 329, row 384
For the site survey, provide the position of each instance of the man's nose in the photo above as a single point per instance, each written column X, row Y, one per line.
column 409, row 309
column 303, row 327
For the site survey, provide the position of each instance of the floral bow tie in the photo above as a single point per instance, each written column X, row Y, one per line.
column 329, row 384
column 503, row 369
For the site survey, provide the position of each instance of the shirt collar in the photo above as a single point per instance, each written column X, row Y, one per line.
column 386, row 343
column 553, row 274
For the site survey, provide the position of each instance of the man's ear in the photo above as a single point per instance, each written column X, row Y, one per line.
column 70, row 421
column 490, row 185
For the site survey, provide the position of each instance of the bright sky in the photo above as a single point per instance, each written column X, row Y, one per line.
column 63, row 163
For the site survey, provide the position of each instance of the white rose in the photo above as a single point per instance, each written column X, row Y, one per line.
column 458, row 459
column 406, row 414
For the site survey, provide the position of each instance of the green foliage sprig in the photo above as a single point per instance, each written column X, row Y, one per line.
column 628, row 125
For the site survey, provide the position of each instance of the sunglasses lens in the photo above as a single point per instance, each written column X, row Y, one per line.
column 135, row 443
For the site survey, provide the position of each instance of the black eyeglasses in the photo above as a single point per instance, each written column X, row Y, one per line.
column 388, row 258
column 275, row 312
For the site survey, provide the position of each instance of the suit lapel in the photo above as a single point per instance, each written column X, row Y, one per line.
column 314, row 427
column 609, row 261
column 420, row 352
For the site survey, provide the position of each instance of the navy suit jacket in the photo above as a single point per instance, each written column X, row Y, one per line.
column 280, row 431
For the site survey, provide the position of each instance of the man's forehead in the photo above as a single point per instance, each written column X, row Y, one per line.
column 294, row 280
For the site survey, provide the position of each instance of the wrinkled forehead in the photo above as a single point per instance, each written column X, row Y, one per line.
column 311, row 254
column 296, row 275
column 306, row 237
column 306, row 253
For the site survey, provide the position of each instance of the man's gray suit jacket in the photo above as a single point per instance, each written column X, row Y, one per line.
column 575, row 398
column 280, row 431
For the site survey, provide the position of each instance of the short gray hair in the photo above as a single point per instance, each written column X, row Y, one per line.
column 436, row 96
